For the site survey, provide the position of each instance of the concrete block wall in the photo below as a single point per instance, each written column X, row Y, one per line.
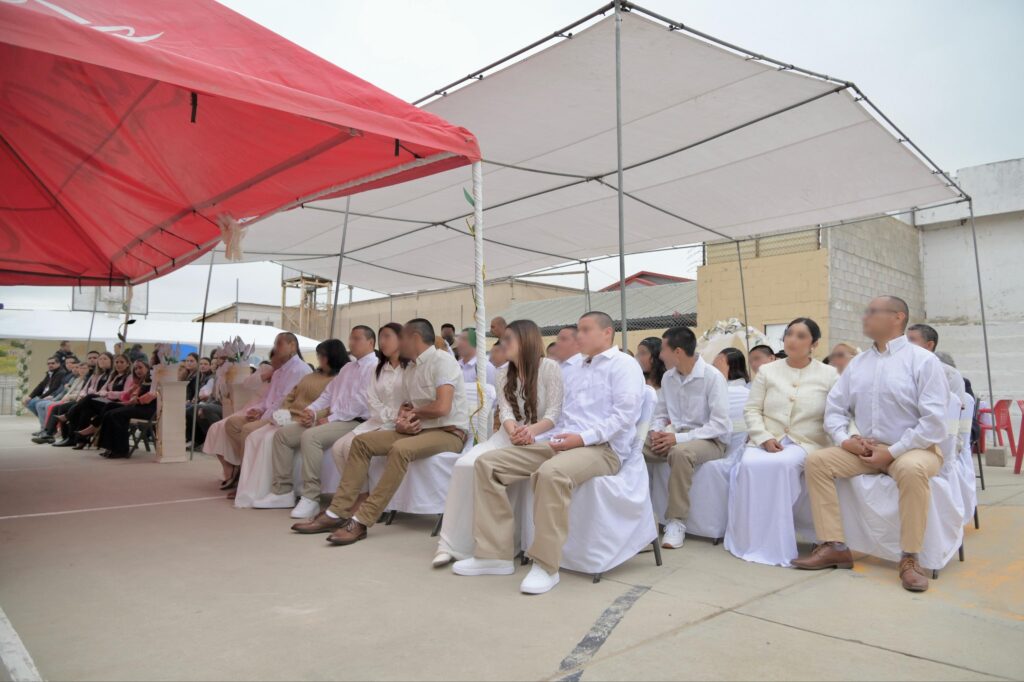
column 868, row 259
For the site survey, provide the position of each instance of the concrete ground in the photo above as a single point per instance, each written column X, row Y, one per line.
column 130, row 570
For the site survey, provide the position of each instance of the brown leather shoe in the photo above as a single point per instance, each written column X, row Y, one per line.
column 321, row 523
column 352, row 532
column 825, row 556
column 912, row 576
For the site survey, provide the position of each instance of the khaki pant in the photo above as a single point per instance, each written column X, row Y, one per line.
column 400, row 449
column 238, row 429
column 684, row 458
column 311, row 443
column 911, row 471
column 553, row 476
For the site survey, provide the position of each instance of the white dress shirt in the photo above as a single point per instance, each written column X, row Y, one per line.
column 469, row 372
column 282, row 381
column 382, row 396
column 602, row 401
column 898, row 396
column 345, row 395
column 694, row 405
column 421, row 379
column 571, row 365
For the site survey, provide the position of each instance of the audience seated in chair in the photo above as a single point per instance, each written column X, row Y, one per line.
column 216, row 441
column 529, row 393
column 289, row 368
column 594, row 433
column 138, row 403
column 73, row 390
column 784, row 415
column 897, row 395
column 339, row 409
column 465, row 349
column 85, row 417
column 433, row 418
column 691, row 424
column 48, row 387
column 255, row 472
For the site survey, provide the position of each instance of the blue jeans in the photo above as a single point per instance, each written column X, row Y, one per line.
column 31, row 405
column 42, row 405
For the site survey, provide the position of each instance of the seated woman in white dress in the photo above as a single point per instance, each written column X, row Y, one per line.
column 785, row 421
column 733, row 365
column 529, row 402
column 257, row 466
column 380, row 395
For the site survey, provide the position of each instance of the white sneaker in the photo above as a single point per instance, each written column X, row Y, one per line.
column 538, row 581
column 305, row 509
column 442, row 559
column 675, row 535
column 272, row 501
column 474, row 566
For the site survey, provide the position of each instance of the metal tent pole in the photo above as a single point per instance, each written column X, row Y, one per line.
column 743, row 294
column 619, row 190
column 341, row 258
column 981, row 301
column 92, row 320
column 202, row 335
column 586, row 284
column 479, row 312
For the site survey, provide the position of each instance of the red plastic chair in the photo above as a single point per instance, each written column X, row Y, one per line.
column 1019, row 454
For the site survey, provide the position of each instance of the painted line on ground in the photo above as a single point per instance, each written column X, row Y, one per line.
column 602, row 628
column 15, row 657
column 123, row 506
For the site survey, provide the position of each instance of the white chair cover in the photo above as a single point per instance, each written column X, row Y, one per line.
column 870, row 508
column 965, row 463
column 709, row 492
column 425, row 485
column 257, row 467
column 610, row 518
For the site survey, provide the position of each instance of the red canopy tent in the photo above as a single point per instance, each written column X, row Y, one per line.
column 131, row 130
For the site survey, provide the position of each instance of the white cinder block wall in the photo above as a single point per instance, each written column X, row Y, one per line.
column 866, row 260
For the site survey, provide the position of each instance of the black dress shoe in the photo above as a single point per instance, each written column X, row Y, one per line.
column 65, row 443
column 39, row 440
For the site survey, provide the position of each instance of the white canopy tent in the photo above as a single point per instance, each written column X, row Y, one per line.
column 75, row 326
column 710, row 142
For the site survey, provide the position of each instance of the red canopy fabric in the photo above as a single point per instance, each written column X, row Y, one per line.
column 130, row 128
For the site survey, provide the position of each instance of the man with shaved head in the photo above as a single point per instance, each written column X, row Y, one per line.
column 595, row 432
column 897, row 396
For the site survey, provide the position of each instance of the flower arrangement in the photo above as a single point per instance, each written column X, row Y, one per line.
column 236, row 350
column 734, row 326
column 168, row 354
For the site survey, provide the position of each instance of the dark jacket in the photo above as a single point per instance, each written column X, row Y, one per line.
column 50, row 384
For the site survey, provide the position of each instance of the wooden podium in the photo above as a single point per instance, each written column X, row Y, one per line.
column 170, row 430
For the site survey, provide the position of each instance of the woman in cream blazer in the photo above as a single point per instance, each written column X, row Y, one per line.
column 785, row 421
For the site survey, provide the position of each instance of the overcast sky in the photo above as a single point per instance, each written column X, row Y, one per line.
column 949, row 73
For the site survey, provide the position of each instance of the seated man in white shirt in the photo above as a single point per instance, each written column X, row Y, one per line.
column 897, row 395
column 691, row 424
column 345, row 400
column 465, row 350
column 594, row 433
column 434, row 418
column 567, row 346
column 289, row 368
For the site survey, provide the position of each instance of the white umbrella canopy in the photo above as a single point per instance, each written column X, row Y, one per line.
column 716, row 145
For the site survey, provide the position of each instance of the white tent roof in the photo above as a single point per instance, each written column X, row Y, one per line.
column 74, row 326
column 716, row 144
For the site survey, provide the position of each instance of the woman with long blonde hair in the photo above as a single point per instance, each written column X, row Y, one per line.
column 529, row 401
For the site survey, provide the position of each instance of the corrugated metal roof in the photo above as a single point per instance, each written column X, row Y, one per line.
column 647, row 307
